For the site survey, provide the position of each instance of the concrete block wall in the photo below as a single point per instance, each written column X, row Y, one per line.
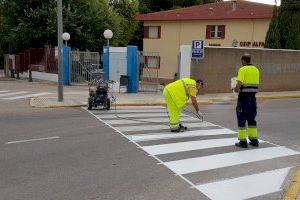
column 279, row 69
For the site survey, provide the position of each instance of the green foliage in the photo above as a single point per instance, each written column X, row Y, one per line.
column 33, row 23
column 284, row 30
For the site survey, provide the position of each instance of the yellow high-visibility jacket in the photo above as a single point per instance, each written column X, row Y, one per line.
column 181, row 90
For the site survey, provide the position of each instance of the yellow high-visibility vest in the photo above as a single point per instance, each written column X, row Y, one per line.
column 181, row 89
column 248, row 75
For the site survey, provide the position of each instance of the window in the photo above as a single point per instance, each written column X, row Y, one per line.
column 152, row 62
column 152, row 32
column 215, row 31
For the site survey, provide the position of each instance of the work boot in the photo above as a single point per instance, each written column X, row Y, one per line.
column 183, row 127
column 254, row 142
column 242, row 144
column 180, row 129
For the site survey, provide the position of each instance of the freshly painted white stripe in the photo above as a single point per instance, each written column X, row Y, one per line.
column 118, row 111
column 28, row 95
column 139, row 107
column 159, row 127
column 160, row 136
column 12, row 93
column 228, row 159
column 146, row 120
column 31, row 140
column 103, row 116
column 188, row 146
column 245, row 187
column 2, row 91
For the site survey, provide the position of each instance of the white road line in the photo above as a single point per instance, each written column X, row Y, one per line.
column 160, row 136
column 245, row 187
column 119, row 111
column 13, row 93
column 31, row 140
column 2, row 91
column 105, row 116
column 189, row 146
column 139, row 107
column 191, row 165
column 28, row 95
column 159, row 119
column 159, row 127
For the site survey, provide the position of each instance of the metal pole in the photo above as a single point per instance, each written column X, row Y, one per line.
column 107, row 42
column 59, row 42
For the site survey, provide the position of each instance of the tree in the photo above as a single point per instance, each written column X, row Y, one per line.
column 33, row 23
column 284, row 30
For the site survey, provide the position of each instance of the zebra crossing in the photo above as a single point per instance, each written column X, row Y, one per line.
column 15, row 95
column 205, row 155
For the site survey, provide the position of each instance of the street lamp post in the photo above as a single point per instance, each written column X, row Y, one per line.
column 59, row 42
column 108, row 34
column 66, row 37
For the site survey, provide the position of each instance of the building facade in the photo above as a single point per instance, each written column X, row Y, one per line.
column 225, row 24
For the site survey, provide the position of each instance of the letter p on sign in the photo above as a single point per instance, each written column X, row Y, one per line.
column 197, row 44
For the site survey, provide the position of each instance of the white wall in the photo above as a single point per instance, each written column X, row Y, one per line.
column 41, row 75
column 185, row 61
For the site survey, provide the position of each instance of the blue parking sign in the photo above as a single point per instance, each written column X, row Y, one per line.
column 197, row 49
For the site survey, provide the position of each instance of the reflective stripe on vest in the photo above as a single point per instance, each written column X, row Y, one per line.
column 249, row 88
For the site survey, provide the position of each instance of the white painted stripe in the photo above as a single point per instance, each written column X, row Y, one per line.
column 2, row 91
column 146, row 120
column 118, row 111
column 12, row 93
column 31, row 140
column 159, row 127
column 189, row 146
column 160, row 136
column 28, row 95
column 245, row 187
column 228, row 159
column 139, row 107
column 103, row 116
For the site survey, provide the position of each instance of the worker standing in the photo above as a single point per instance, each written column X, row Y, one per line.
column 176, row 95
column 246, row 110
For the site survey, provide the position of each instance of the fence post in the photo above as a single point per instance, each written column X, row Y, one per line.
column 132, row 68
column 106, row 62
column 66, row 65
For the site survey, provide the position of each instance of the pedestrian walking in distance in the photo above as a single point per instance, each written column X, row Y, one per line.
column 246, row 109
column 177, row 95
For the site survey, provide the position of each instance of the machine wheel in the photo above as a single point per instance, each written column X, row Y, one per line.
column 107, row 104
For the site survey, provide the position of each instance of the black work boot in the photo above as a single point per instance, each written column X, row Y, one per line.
column 183, row 127
column 242, row 144
column 180, row 129
column 254, row 142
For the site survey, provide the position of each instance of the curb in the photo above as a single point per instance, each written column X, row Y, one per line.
column 209, row 102
column 294, row 187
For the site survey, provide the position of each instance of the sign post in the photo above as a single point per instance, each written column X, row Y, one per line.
column 197, row 49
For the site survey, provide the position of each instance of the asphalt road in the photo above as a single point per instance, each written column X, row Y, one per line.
column 78, row 157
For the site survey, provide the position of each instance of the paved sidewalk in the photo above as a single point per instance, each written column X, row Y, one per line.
column 76, row 96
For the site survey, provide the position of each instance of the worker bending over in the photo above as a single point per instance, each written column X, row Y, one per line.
column 176, row 95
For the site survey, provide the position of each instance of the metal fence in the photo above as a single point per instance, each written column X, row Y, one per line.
column 83, row 65
column 149, row 66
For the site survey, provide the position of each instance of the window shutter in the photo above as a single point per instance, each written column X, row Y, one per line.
column 146, row 31
column 159, row 31
column 222, row 28
column 208, row 31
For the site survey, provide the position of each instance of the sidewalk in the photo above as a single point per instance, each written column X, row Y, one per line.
column 76, row 96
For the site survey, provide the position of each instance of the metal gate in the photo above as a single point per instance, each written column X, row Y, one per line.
column 83, row 64
column 149, row 66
